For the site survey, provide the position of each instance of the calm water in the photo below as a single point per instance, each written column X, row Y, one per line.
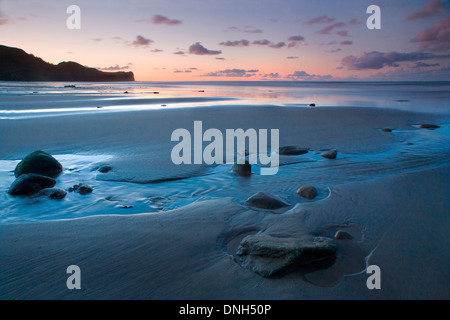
column 41, row 98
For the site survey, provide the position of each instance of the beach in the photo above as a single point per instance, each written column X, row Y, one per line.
column 152, row 229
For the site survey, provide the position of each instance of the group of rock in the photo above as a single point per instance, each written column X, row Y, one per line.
column 35, row 175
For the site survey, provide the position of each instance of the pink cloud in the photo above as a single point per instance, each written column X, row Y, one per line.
column 330, row 28
column 141, row 42
column 160, row 19
column 200, row 50
column 435, row 38
column 320, row 19
column 435, row 7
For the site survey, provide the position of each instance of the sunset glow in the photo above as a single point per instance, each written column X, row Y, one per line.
column 238, row 40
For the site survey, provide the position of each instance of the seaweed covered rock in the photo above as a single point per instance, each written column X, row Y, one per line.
column 267, row 255
column 29, row 184
column 39, row 162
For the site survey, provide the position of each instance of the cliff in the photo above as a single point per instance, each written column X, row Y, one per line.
column 17, row 65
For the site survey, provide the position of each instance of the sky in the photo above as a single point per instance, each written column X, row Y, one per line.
column 199, row 40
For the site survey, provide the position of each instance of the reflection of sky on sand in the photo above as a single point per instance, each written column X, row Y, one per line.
column 29, row 100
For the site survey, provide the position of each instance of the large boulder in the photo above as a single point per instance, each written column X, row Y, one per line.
column 29, row 184
column 39, row 162
column 268, row 255
column 265, row 201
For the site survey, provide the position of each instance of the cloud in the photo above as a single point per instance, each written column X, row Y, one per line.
column 220, row 58
column 378, row 60
column 237, row 43
column 302, row 75
column 114, row 68
column 346, row 43
column 160, row 19
column 187, row 70
column 435, row 38
column 271, row 75
column 296, row 38
column 157, row 50
column 342, row 33
column 200, row 50
column 141, row 42
column 320, row 19
column 432, row 8
column 425, row 65
column 354, row 22
column 331, row 27
column 291, row 57
column 277, row 45
column 246, row 29
column 263, row 42
column 179, row 53
column 295, row 41
column 232, row 73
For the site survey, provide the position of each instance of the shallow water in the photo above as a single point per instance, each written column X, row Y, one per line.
column 426, row 149
column 24, row 100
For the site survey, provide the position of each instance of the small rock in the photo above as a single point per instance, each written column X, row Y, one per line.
column 105, row 169
column 126, row 206
column 268, row 255
column 81, row 189
column 429, row 126
column 39, row 162
column 126, row 92
column 330, row 154
column 409, row 143
column 29, row 184
column 312, row 104
column 53, row 193
column 386, row 130
column 308, row 192
column 291, row 151
column 244, row 169
column 343, row 235
column 265, row 201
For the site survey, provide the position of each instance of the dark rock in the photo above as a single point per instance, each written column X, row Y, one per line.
column 330, row 154
column 429, row 126
column 126, row 92
column 39, row 162
column 308, row 192
column 17, row 65
column 53, row 193
column 409, row 143
column 291, row 151
column 268, row 255
column 81, row 189
column 265, row 201
column 29, row 184
column 312, row 104
column 343, row 235
column 105, row 169
column 386, row 130
column 244, row 169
